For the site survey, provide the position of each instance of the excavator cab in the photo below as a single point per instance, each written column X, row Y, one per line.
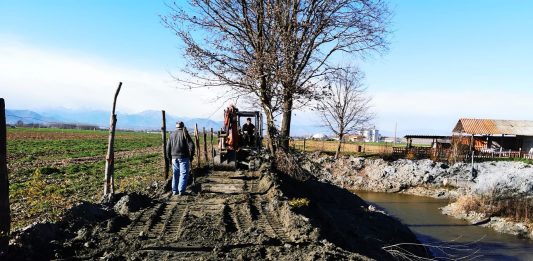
column 237, row 147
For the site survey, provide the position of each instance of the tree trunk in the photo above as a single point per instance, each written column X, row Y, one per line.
column 338, row 152
column 286, row 123
column 271, row 130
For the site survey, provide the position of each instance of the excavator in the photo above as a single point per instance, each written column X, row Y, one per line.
column 237, row 148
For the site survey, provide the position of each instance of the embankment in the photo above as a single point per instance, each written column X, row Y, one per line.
column 497, row 194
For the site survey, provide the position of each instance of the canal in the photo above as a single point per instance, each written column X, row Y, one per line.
column 452, row 238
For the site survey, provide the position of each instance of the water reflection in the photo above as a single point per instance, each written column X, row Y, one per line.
column 456, row 238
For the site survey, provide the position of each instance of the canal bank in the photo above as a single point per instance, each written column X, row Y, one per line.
column 497, row 194
column 449, row 237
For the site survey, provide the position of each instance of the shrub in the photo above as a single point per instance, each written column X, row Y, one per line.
column 299, row 202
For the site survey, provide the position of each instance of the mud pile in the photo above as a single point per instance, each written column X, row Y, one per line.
column 228, row 215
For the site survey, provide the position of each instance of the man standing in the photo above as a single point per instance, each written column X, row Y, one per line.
column 181, row 148
column 248, row 130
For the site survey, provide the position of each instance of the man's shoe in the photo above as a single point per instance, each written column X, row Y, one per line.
column 174, row 193
column 183, row 193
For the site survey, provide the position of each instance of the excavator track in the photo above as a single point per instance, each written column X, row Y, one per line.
column 180, row 225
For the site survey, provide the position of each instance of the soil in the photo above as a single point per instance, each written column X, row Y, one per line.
column 242, row 215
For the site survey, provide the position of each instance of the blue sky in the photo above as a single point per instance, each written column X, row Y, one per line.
column 447, row 59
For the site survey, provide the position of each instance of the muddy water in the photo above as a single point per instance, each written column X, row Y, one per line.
column 456, row 237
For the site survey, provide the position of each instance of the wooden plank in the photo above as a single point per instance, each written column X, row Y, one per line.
column 5, row 215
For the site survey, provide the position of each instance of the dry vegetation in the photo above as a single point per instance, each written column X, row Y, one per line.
column 516, row 209
column 329, row 146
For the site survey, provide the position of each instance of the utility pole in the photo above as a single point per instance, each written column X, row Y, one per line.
column 395, row 129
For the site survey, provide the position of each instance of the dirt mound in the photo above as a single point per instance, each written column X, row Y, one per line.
column 228, row 215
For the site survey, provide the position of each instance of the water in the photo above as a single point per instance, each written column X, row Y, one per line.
column 457, row 237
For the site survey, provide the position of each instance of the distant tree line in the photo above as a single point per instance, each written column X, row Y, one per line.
column 59, row 125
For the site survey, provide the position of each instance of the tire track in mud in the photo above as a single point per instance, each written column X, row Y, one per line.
column 181, row 225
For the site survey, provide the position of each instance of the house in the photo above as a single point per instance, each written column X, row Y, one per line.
column 354, row 137
column 487, row 135
column 319, row 136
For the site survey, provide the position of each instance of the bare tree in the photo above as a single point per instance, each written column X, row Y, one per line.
column 347, row 107
column 230, row 44
column 275, row 51
column 311, row 33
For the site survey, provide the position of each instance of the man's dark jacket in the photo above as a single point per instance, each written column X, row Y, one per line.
column 180, row 144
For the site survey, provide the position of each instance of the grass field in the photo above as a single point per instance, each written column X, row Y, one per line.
column 50, row 169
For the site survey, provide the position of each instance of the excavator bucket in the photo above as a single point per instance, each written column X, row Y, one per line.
column 226, row 161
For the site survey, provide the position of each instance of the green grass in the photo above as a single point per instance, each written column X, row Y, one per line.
column 28, row 150
column 43, row 184
column 51, row 169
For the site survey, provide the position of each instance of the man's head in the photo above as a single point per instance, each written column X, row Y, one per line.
column 248, row 120
column 180, row 125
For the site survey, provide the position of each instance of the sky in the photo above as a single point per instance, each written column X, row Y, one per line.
column 446, row 60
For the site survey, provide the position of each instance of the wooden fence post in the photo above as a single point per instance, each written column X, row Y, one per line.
column 197, row 141
column 5, row 215
column 212, row 149
column 109, row 186
column 164, row 137
column 205, row 145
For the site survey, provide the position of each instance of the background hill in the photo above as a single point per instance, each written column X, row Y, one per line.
column 146, row 120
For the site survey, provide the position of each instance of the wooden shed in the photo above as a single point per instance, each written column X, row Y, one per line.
column 496, row 136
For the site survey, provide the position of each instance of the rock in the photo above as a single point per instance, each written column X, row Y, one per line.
column 130, row 203
column 504, row 226
column 38, row 236
column 82, row 235
column 428, row 178
column 116, row 223
column 84, row 213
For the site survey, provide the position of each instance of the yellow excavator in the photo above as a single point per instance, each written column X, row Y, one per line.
column 239, row 147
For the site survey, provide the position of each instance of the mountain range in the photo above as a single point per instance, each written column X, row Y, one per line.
column 146, row 120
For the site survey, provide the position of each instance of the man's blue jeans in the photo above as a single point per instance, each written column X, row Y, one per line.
column 180, row 169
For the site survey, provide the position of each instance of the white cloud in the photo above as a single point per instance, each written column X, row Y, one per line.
column 439, row 110
column 34, row 78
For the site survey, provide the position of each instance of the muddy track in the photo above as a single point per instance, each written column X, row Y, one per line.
column 228, row 207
